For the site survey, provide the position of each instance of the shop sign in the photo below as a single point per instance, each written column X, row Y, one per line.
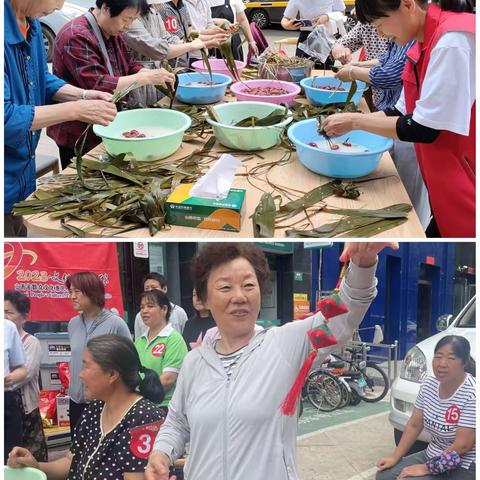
column 40, row 270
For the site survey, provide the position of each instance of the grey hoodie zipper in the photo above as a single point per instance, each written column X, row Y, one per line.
column 226, row 476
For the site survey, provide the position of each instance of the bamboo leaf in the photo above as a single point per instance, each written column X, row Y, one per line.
column 351, row 92
column 316, row 195
column 76, row 231
column 263, row 217
column 393, row 211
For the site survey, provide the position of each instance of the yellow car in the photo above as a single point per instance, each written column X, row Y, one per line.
column 264, row 14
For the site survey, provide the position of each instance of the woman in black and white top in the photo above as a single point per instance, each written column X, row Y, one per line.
column 116, row 432
column 445, row 407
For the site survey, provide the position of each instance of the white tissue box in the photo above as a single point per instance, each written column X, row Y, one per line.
column 213, row 214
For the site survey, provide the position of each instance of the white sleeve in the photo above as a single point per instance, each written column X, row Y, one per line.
column 175, row 432
column 448, row 90
column 338, row 6
column 291, row 10
column 33, row 358
column 400, row 105
column 16, row 352
column 239, row 6
column 138, row 330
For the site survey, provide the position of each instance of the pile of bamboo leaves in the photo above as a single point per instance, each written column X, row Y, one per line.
column 269, row 217
column 114, row 193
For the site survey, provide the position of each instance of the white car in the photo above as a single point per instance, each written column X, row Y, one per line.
column 418, row 364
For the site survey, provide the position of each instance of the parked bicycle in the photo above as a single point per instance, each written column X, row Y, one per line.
column 366, row 380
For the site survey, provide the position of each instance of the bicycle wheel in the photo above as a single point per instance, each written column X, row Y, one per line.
column 376, row 383
column 346, row 395
column 324, row 391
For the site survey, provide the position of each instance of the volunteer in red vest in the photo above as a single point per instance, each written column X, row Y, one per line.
column 436, row 110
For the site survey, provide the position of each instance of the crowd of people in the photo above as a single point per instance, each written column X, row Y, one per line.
column 120, row 42
column 137, row 404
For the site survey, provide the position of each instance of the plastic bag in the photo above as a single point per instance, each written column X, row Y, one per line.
column 63, row 369
column 318, row 44
column 48, row 407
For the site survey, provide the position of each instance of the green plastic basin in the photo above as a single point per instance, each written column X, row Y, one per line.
column 165, row 129
column 249, row 138
column 23, row 474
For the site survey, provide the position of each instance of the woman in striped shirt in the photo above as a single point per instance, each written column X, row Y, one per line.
column 445, row 407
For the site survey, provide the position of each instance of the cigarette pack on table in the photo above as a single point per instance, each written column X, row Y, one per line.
column 213, row 214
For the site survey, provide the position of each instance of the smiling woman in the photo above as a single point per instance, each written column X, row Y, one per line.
column 229, row 391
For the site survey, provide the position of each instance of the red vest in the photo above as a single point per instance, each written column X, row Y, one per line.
column 447, row 164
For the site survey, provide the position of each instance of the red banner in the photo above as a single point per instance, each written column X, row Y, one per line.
column 39, row 270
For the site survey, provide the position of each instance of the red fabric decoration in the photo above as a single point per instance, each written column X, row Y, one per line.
column 320, row 337
column 332, row 306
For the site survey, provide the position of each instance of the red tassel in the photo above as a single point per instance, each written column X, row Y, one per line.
column 289, row 405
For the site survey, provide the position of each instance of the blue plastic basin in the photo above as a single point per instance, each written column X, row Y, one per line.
column 333, row 163
column 202, row 95
column 324, row 97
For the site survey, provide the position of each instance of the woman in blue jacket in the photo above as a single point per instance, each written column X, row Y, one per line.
column 29, row 88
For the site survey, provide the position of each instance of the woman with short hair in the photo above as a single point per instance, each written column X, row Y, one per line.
column 229, row 392
column 88, row 298
column 115, row 433
column 91, row 53
column 445, row 407
column 436, row 110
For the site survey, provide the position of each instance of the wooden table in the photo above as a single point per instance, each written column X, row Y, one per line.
column 375, row 194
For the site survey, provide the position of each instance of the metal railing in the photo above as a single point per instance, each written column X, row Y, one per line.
column 388, row 355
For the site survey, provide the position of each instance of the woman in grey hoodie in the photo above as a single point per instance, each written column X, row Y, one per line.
column 228, row 395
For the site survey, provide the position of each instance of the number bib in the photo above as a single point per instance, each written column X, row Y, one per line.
column 171, row 24
column 142, row 438
column 452, row 415
column 158, row 350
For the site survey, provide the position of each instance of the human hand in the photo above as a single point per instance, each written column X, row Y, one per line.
column 320, row 20
column 342, row 54
column 158, row 467
column 292, row 25
column 7, row 380
column 418, row 470
column 339, row 123
column 215, row 30
column 345, row 74
column 213, row 41
column 364, row 254
column 159, row 76
column 20, row 457
column 386, row 462
column 94, row 111
column 98, row 95
column 253, row 48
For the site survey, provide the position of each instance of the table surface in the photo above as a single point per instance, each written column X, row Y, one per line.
column 375, row 194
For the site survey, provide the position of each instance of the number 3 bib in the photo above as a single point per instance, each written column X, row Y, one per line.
column 142, row 438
